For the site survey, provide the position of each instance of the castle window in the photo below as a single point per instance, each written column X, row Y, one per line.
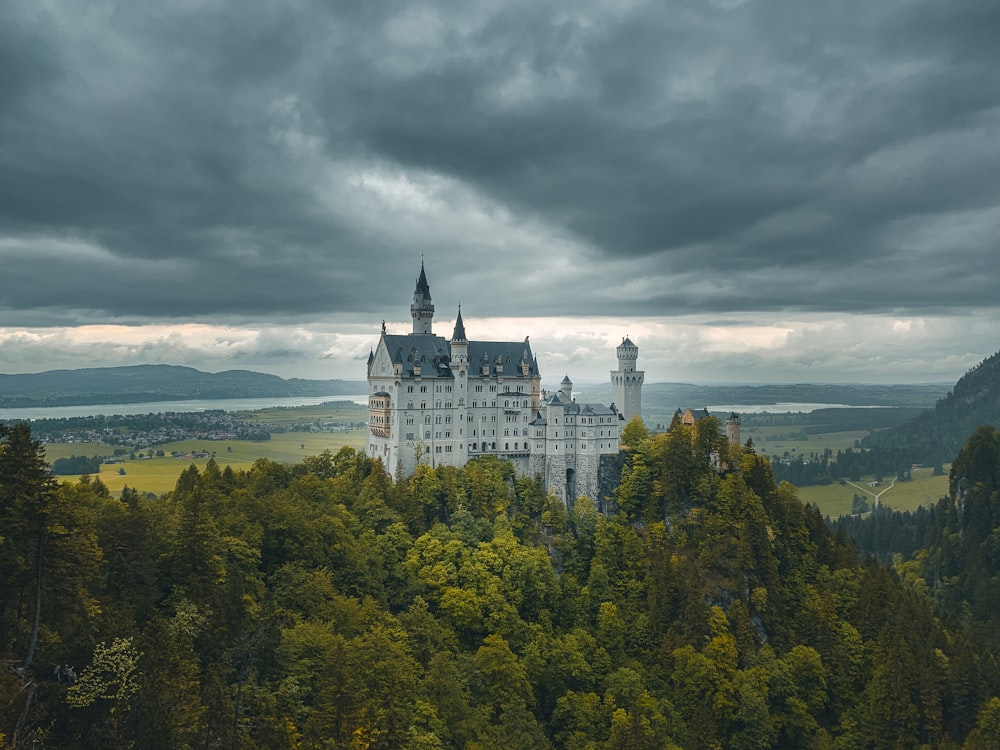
column 423, row 404
column 409, row 389
column 447, row 449
column 423, row 389
column 437, row 448
column 427, row 435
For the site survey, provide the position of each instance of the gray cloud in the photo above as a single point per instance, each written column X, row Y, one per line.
column 261, row 162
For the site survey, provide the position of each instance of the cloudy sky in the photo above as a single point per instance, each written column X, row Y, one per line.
column 753, row 191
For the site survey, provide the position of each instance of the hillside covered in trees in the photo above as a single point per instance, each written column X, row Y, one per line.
column 326, row 605
column 936, row 436
column 949, row 550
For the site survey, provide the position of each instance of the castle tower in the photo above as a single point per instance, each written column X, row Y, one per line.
column 626, row 381
column 460, row 372
column 422, row 309
column 733, row 431
column 566, row 388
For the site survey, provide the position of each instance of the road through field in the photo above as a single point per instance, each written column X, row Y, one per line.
column 869, row 492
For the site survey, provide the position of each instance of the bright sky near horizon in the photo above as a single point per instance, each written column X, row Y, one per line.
column 753, row 191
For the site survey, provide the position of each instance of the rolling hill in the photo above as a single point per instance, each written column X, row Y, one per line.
column 144, row 383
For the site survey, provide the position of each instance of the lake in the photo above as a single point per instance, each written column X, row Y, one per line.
column 784, row 408
column 153, row 407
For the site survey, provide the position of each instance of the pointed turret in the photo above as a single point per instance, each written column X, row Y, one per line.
column 459, row 333
column 566, row 388
column 422, row 309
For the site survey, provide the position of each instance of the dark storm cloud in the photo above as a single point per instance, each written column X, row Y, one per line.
column 185, row 160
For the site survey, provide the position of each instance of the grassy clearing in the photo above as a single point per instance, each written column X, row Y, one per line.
column 65, row 450
column 835, row 441
column 340, row 412
column 159, row 475
column 836, row 499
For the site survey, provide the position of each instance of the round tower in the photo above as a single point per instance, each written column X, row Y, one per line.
column 733, row 431
column 626, row 381
column 422, row 309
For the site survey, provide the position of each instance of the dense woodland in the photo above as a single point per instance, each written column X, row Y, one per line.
column 328, row 605
column 936, row 436
column 952, row 550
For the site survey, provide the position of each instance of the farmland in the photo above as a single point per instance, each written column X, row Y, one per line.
column 296, row 432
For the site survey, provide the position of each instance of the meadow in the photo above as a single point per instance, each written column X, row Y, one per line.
column 159, row 475
column 836, row 499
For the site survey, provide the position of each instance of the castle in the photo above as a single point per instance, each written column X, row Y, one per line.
column 445, row 401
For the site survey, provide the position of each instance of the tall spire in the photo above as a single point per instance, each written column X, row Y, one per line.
column 423, row 289
column 422, row 309
column 459, row 334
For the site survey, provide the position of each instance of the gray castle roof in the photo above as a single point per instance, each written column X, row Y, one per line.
column 584, row 410
column 432, row 354
column 508, row 354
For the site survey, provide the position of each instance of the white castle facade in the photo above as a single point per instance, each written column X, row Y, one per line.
column 445, row 401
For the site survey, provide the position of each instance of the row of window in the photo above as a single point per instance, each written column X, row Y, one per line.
column 486, row 446
column 437, row 389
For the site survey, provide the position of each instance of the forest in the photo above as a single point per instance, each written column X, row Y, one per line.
column 327, row 604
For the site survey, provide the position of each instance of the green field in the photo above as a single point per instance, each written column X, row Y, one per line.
column 835, row 499
column 159, row 475
column 835, row 441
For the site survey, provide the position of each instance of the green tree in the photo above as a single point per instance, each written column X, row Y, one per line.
column 27, row 494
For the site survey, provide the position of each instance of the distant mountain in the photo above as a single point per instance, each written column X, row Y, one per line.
column 936, row 435
column 144, row 383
